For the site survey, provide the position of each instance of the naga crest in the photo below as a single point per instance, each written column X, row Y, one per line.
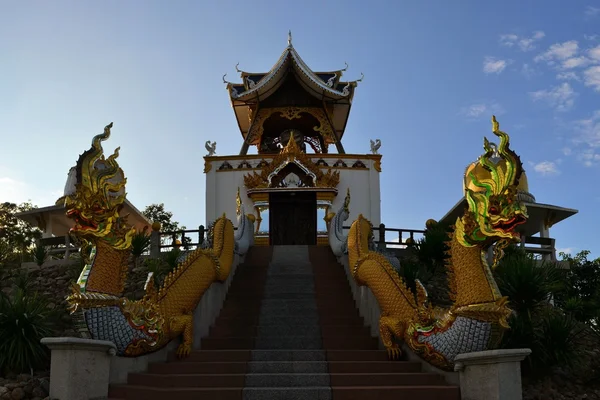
column 494, row 210
column 98, row 197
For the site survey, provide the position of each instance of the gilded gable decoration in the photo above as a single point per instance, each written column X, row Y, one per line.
column 312, row 176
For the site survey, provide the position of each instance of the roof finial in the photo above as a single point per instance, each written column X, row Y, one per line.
column 290, row 37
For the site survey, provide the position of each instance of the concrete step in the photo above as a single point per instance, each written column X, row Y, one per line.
column 243, row 367
column 284, row 330
column 306, row 393
column 282, row 379
column 244, row 320
column 342, row 341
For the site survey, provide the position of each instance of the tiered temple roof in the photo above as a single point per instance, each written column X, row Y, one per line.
column 292, row 84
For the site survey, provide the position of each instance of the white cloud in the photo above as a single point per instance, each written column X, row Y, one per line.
column 592, row 11
column 492, row 65
column 589, row 157
column 559, row 51
column 524, row 43
column 591, row 77
column 589, row 130
column 586, row 140
column 568, row 76
column 508, row 40
column 567, row 151
column 591, row 37
column 479, row 109
column 527, row 70
column 575, row 62
column 561, row 97
column 594, row 53
column 546, row 168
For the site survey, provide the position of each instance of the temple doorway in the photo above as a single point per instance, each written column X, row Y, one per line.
column 293, row 218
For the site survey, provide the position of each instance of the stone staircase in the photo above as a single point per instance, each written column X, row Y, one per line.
column 288, row 330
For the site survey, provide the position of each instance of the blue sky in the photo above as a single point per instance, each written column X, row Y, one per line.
column 435, row 72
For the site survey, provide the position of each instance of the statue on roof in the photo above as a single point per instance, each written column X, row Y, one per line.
column 211, row 148
column 375, row 145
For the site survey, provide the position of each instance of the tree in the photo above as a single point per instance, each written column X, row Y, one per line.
column 157, row 213
column 16, row 235
column 581, row 294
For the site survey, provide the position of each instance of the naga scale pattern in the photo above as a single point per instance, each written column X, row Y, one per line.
column 479, row 314
column 97, row 303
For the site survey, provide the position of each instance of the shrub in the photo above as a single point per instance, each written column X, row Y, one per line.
column 39, row 254
column 24, row 321
column 139, row 244
column 548, row 331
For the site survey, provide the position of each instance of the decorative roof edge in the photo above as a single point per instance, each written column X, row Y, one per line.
column 290, row 52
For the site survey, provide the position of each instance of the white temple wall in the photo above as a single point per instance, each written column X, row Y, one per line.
column 364, row 184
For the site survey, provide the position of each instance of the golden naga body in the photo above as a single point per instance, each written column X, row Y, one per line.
column 478, row 316
column 166, row 313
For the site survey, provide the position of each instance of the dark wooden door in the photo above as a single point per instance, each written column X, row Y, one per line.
column 293, row 218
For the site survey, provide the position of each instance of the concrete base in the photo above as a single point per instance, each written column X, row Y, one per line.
column 79, row 368
column 491, row 375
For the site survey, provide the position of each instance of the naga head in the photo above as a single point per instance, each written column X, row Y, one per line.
column 494, row 210
column 96, row 199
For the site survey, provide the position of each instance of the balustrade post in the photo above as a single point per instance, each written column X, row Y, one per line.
column 155, row 243
column 381, row 244
column 68, row 247
column 200, row 235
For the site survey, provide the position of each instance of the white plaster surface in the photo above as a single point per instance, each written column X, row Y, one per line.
column 221, row 188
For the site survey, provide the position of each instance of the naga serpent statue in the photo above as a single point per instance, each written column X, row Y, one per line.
column 97, row 302
column 479, row 313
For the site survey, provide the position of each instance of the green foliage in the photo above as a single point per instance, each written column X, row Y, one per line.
column 21, row 281
column 73, row 270
column 425, row 260
column 528, row 283
column 172, row 256
column 24, row 320
column 16, row 236
column 140, row 243
column 411, row 270
column 431, row 249
column 40, row 254
column 581, row 294
column 550, row 332
column 157, row 213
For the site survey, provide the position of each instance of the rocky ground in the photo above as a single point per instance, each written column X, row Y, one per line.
column 25, row 387
column 580, row 381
